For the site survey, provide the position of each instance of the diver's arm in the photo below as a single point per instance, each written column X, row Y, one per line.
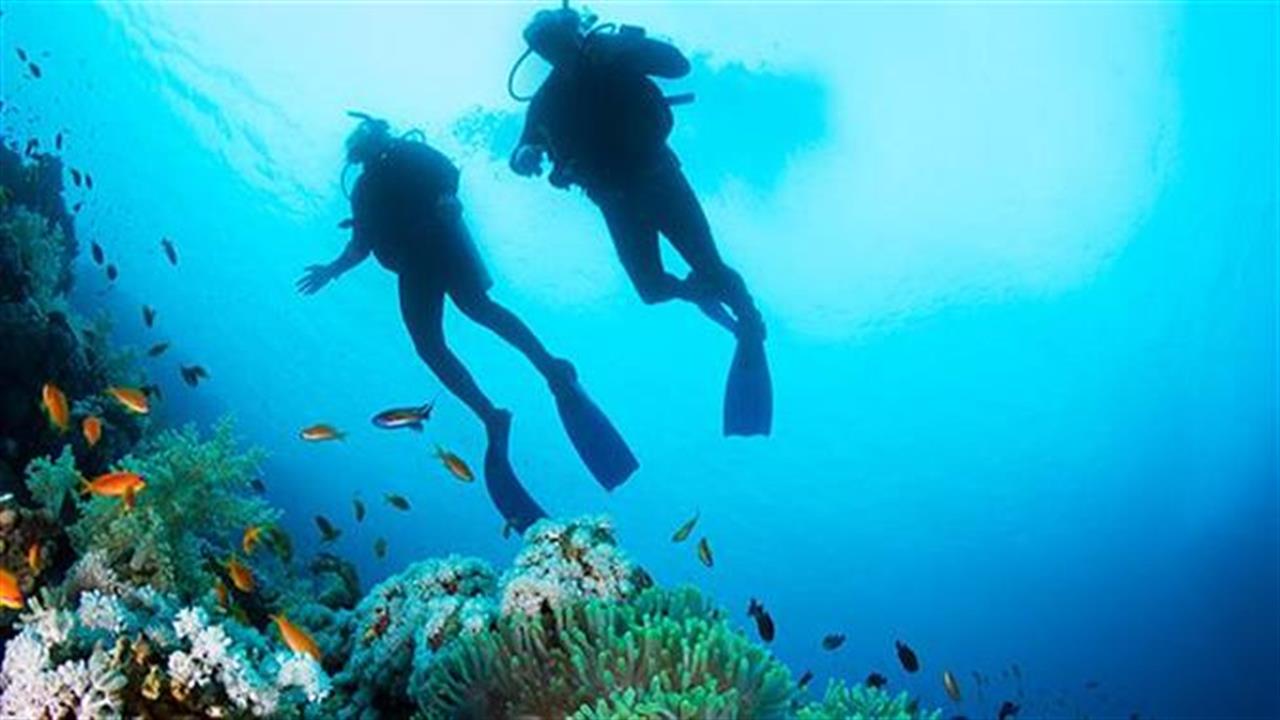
column 317, row 276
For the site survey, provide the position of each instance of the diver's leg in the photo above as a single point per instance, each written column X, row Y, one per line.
column 635, row 239
column 480, row 307
column 679, row 215
column 422, row 305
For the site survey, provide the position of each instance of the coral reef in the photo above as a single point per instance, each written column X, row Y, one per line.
column 669, row 648
column 563, row 562
column 860, row 702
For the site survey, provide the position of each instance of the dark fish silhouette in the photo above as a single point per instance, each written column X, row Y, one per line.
column 258, row 485
column 158, row 349
column 380, row 548
column 832, row 641
column 907, row 657
column 35, row 70
column 112, row 273
column 170, row 251
column 876, row 680
column 148, row 315
column 98, row 255
column 764, row 622
column 359, row 509
column 704, row 553
column 57, row 141
column 682, row 533
column 805, row 679
column 88, row 181
column 328, row 533
column 76, row 208
column 32, row 144
column 1008, row 710
column 410, row 417
column 22, row 54
column 951, row 685
column 398, row 502
column 193, row 374
column 346, row 224
column 76, row 177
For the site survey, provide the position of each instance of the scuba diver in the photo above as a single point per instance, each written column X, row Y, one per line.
column 604, row 125
column 406, row 213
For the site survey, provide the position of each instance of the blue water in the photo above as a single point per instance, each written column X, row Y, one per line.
column 1018, row 262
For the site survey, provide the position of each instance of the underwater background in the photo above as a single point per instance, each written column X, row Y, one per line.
column 1018, row 263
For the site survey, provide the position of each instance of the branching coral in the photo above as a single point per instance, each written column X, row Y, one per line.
column 860, row 702
column 567, row 561
column 34, row 265
column 670, row 648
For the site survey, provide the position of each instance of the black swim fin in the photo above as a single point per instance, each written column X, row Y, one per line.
column 515, row 504
column 748, row 397
column 598, row 442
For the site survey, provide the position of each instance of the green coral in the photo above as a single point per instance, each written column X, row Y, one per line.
column 861, row 702
column 675, row 651
column 194, row 508
column 41, row 248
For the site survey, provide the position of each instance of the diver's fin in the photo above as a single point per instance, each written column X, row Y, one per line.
column 748, row 397
column 515, row 504
column 416, row 427
column 597, row 441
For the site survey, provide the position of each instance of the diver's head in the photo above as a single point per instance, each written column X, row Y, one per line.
column 555, row 35
column 369, row 140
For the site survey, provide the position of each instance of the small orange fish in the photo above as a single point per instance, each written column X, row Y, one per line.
column 241, row 576
column 113, row 484
column 33, row 557
column 455, row 465
column 296, row 638
column 250, row 539
column 10, row 592
column 220, row 592
column 132, row 398
column 92, row 429
column 320, row 432
column 55, row 404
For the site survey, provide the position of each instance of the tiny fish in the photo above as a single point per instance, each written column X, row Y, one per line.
column 328, row 533
column 132, row 399
column 704, row 553
column 158, row 349
column 398, row 502
column 57, row 141
column 764, row 622
column 35, row 70
column 148, row 315
column 98, row 255
column 33, row 557
column 346, row 223
column 32, row 144
column 77, row 208
column 22, row 54
column 112, row 273
column 55, row 405
column 240, row 575
column 220, row 592
column 805, row 679
column 10, row 591
column 832, row 641
column 907, row 657
column 296, row 638
column 113, row 484
column 876, row 680
column 1008, row 710
column 88, row 181
column 359, row 509
column 76, row 177
column 455, row 465
column 249, row 541
column 682, row 533
column 321, row 432
column 410, row 417
column 380, row 548
column 91, row 426
column 258, row 485
column 170, row 251
column 281, row 544
column 950, row 684
column 193, row 374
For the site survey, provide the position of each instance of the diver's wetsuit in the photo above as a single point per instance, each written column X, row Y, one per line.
column 405, row 212
column 605, row 126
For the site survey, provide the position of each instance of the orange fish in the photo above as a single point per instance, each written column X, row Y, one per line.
column 455, row 465
column 10, row 593
column 241, row 577
column 250, row 539
column 114, row 484
column 296, row 638
column 55, row 404
column 220, row 591
column 92, row 429
column 33, row 557
column 133, row 399
column 321, row 431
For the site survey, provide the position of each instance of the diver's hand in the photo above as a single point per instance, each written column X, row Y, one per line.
column 526, row 161
column 315, row 278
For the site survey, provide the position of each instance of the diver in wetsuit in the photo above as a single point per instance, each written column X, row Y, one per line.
column 604, row 125
column 405, row 212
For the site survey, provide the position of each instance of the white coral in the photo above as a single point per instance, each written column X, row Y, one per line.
column 99, row 611
column 566, row 561
column 299, row 670
column 212, row 656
